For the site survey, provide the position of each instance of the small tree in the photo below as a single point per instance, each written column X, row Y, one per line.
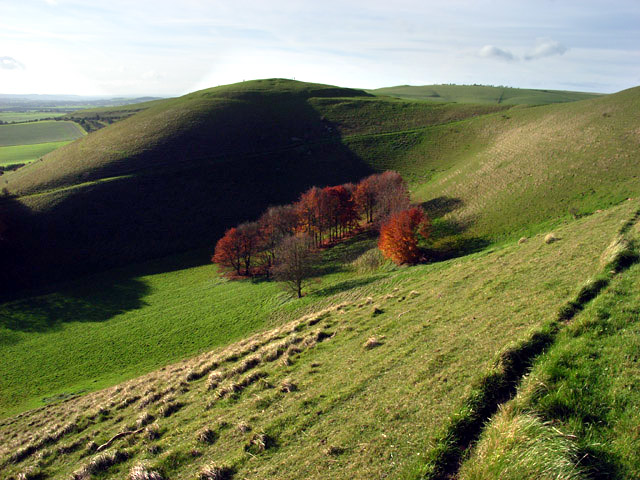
column 229, row 250
column 295, row 262
column 399, row 235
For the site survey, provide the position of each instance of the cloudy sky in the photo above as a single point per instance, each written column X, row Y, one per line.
column 171, row 47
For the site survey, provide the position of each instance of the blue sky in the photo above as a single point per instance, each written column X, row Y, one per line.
column 167, row 48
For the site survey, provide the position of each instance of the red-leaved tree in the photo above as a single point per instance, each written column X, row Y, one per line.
column 399, row 235
column 228, row 252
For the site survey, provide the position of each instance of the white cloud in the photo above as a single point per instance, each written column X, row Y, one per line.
column 51, row 2
column 10, row 63
column 545, row 47
column 491, row 51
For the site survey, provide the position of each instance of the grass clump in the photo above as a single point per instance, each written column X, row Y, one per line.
column 142, row 472
column 215, row 472
column 207, row 435
column 522, row 447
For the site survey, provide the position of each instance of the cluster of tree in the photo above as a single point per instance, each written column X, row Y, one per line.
column 272, row 244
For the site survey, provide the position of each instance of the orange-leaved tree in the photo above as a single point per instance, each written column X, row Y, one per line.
column 399, row 235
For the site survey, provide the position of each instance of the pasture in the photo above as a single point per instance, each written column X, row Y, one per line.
column 27, row 153
column 39, row 132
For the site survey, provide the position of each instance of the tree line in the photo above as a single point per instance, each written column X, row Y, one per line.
column 284, row 241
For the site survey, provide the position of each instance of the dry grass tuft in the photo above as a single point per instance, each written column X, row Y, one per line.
column 244, row 427
column 141, row 472
column 214, row 380
column 522, row 240
column 207, row 435
column 144, row 419
column 152, row 432
column 550, row 238
column 215, row 472
column 91, row 446
column 372, row 342
column 100, row 463
column 288, row 386
column 170, row 407
column 334, row 451
column 259, row 442
column 30, row 473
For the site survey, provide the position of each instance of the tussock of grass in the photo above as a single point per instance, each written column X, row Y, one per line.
column 519, row 447
column 372, row 342
column 141, row 472
column 152, row 432
column 31, row 473
column 215, row 472
column 144, row 419
column 550, row 238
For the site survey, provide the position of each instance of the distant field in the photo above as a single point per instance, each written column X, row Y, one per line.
column 9, row 117
column 482, row 94
column 39, row 132
column 27, row 153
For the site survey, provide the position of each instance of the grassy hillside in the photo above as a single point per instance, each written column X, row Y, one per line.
column 39, row 132
column 118, row 324
column 482, row 94
column 575, row 414
column 191, row 167
column 409, row 344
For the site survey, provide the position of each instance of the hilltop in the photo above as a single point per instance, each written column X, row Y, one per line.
column 483, row 94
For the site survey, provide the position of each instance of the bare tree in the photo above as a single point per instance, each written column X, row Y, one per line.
column 295, row 262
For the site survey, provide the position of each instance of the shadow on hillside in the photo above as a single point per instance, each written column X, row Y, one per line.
column 449, row 236
column 94, row 299
column 181, row 194
column 440, row 206
column 344, row 286
column 84, row 303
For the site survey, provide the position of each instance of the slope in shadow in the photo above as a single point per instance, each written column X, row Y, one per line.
column 168, row 207
column 448, row 235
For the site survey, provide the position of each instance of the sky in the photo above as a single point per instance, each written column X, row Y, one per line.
column 172, row 47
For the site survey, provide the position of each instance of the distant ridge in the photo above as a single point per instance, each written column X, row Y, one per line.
column 482, row 94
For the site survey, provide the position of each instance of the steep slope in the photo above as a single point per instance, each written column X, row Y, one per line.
column 174, row 176
column 358, row 388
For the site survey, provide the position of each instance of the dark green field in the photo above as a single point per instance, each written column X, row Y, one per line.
column 39, row 132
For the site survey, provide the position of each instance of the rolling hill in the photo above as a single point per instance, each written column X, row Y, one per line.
column 192, row 166
column 482, row 94
column 412, row 373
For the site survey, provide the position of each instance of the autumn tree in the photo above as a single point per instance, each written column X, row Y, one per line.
column 391, row 195
column 381, row 195
column 250, row 239
column 228, row 250
column 308, row 208
column 275, row 224
column 238, row 247
column 295, row 262
column 399, row 235
column 365, row 198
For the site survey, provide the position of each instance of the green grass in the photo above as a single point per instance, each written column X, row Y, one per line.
column 483, row 94
column 39, row 132
column 117, row 325
column 27, row 153
column 354, row 412
column 584, row 391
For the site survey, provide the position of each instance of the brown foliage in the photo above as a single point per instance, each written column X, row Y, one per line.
column 399, row 235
